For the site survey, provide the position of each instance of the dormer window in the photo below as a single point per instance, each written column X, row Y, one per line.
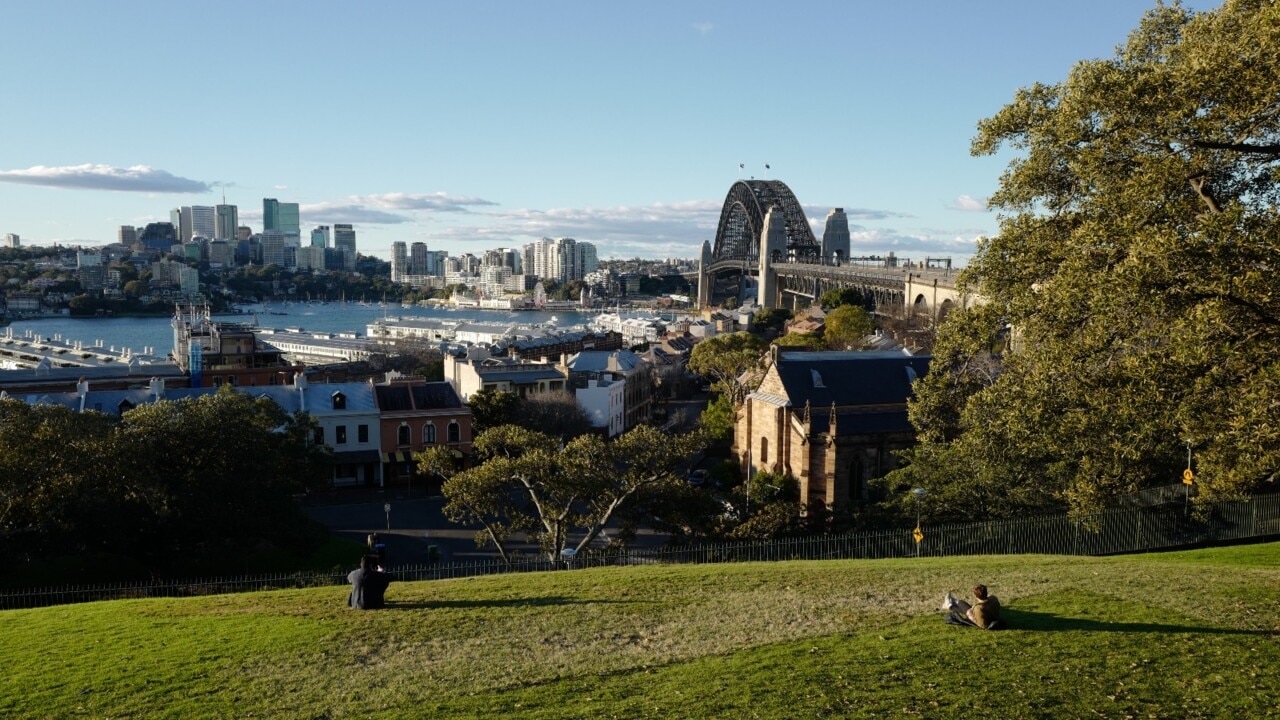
column 339, row 401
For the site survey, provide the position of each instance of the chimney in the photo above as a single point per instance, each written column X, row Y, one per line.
column 157, row 388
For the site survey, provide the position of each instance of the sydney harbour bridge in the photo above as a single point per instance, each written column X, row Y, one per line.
column 765, row 239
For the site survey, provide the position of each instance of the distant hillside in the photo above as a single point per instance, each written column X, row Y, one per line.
column 1188, row 634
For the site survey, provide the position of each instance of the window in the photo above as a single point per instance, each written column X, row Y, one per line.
column 319, row 436
column 362, row 433
column 429, row 434
column 402, row 435
column 764, row 450
column 455, row 431
column 341, row 433
column 339, row 401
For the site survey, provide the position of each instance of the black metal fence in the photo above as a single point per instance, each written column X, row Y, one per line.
column 1112, row 532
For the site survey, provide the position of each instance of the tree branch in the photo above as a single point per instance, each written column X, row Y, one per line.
column 1198, row 184
column 1240, row 147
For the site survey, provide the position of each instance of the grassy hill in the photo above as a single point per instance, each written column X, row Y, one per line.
column 1177, row 635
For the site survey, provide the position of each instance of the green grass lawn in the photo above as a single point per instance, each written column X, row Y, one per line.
column 1174, row 635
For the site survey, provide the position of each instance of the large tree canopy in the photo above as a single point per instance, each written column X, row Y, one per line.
column 1136, row 265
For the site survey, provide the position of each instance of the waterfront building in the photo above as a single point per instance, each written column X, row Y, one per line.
column 227, row 220
column 300, row 346
column 224, row 353
column 417, row 415
column 634, row 330
column 835, row 237
column 417, row 330
column 832, row 420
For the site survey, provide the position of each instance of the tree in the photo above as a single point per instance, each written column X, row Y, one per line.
column 771, row 319
column 527, row 483
column 846, row 326
column 725, row 358
column 836, row 297
column 558, row 414
column 718, row 418
column 1136, row 263
column 492, row 408
column 801, row 341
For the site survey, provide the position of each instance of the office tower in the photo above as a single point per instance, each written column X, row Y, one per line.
column 399, row 261
column 320, row 236
column 270, row 214
column 244, row 232
column 127, row 235
column 310, row 257
column 221, row 253
column 835, row 237
column 202, row 221
column 344, row 240
column 227, row 221
column 418, row 259
column 288, row 220
column 273, row 245
column 159, row 236
column 180, row 218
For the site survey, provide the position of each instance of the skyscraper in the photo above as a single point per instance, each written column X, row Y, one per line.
column 202, row 221
column 320, row 236
column 418, row 259
column 128, row 235
column 273, row 244
column 270, row 214
column 11, row 240
column 180, row 218
column 400, row 261
column 344, row 240
column 226, row 221
column 288, row 219
column 835, row 237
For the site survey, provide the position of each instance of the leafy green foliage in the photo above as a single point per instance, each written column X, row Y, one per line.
column 837, row 297
column 724, row 358
column 491, row 408
column 718, row 418
column 171, row 484
column 846, row 326
column 801, row 341
column 1135, row 263
column 528, row 482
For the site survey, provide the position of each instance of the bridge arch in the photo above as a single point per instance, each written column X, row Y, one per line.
column 742, row 219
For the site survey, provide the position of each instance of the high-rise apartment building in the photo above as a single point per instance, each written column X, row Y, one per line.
column 127, row 235
column 226, row 221
column 400, row 261
column 562, row 259
column 11, row 240
column 435, row 262
column 202, row 221
column 320, row 236
column 418, row 259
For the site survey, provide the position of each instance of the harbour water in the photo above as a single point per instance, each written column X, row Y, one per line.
column 137, row 333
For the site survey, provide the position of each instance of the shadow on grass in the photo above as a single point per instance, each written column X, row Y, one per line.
column 1048, row 622
column 515, row 602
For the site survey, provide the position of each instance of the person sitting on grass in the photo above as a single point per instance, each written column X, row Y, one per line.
column 984, row 613
column 368, row 584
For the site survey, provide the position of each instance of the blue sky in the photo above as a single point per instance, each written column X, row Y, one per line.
column 483, row 124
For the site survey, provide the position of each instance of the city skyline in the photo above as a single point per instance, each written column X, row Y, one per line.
column 469, row 128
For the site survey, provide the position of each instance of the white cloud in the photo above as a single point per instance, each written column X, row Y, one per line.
column 139, row 178
column 280, row 187
column 387, row 208
column 703, row 27
column 968, row 203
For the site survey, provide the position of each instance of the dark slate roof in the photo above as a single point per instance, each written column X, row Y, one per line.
column 435, row 395
column 848, row 378
column 394, row 397
column 866, row 423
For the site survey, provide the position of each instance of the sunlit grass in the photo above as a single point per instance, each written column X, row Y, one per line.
column 1170, row 635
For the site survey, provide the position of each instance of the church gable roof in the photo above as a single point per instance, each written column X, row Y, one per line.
column 848, row 378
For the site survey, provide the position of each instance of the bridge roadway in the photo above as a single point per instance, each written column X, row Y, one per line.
column 922, row 288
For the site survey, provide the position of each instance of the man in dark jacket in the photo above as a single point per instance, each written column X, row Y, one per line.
column 367, row 585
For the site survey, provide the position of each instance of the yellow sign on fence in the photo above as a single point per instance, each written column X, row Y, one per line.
column 918, row 535
column 1188, row 477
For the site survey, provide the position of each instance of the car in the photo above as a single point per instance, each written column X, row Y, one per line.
column 698, row 477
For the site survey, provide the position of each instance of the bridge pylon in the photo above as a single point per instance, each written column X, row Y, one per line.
column 773, row 244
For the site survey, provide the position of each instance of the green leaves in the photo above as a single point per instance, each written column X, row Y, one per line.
column 1136, row 267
